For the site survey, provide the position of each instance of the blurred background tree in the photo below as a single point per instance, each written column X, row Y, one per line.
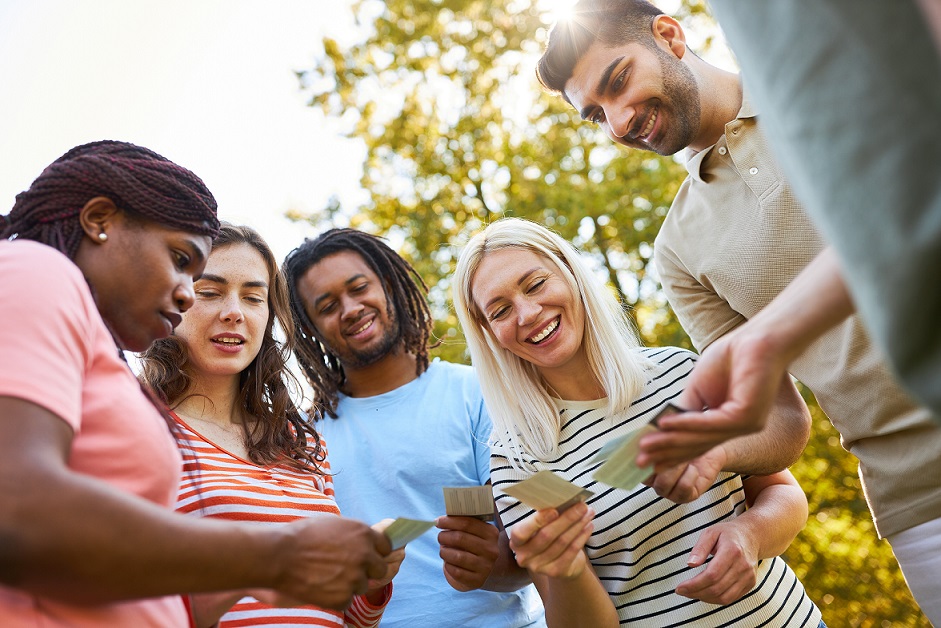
column 458, row 133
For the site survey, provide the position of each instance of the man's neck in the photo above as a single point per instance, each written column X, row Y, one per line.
column 394, row 370
column 721, row 94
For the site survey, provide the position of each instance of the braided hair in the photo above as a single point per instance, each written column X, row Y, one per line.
column 136, row 179
column 404, row 289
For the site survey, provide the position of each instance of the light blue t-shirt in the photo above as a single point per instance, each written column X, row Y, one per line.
column 391, row 455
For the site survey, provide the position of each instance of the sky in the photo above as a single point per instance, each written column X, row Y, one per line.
column 209, row 84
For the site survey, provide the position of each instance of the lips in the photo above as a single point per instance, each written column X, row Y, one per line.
column 360, row 326
column 229, row 340
column 647, row 125
column 545, row 332
column 648, row 128
column 174, row 319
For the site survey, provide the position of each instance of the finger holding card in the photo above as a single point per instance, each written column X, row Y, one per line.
column 469, row 549
column 552, row 544
column 393, row 561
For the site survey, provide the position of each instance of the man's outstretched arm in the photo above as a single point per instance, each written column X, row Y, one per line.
column 736, row 381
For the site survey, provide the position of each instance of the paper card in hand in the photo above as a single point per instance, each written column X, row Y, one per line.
column 547, row 490
column 619, row 470
column 403, row 531
column 469, row 501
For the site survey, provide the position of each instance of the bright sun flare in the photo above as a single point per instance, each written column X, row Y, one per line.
column 557, row 10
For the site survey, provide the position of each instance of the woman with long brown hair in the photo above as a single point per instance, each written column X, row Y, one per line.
column 249, row 454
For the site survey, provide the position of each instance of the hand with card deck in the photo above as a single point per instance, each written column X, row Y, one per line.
column 469, row 548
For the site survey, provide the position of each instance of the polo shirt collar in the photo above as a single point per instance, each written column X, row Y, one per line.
column 695, row 159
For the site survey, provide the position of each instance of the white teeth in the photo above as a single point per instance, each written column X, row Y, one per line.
column 545, row 332
column 363, row 328
column 649, row 127
column 229, row 341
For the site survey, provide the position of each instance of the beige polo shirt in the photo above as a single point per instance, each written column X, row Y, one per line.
column 733, row 239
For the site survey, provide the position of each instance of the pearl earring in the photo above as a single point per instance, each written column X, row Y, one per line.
column 103, row 236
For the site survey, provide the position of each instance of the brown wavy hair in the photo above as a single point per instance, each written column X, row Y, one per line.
column 280, row 433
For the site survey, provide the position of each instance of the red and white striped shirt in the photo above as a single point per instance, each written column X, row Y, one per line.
column 217, row 483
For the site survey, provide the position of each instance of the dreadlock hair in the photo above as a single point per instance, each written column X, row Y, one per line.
column 609, row 22
column 404, row 289
column 279, row 433
column 137, row 180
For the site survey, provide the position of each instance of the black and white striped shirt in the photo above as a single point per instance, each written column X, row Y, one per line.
column 641, row 542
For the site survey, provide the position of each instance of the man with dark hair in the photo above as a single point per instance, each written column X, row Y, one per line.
column 735, row 237
column 399, row 428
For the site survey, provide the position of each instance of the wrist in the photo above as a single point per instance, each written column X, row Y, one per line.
column 380, row 596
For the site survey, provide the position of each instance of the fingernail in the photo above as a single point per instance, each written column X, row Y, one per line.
column 693, row 560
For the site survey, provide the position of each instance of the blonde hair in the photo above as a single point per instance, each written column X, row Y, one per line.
column 525, row 419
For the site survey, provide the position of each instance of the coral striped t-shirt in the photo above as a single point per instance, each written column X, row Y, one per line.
column 217, row 483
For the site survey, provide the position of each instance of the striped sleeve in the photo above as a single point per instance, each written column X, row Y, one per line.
column 362, row 614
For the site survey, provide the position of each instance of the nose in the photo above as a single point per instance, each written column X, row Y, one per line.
column 527, row 311
column 231, row 311
column 350, row 308
column 184, row 296
column 619, row 120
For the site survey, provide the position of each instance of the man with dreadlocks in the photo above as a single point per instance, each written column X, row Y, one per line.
column 99, row 255
column 401, row 428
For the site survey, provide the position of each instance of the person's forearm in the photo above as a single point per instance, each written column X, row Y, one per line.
column 815, row 301
column 779, row 444
column 208, row 608
column 95, row 544
column 776, row 516
column 506, row 575
column 579, row 602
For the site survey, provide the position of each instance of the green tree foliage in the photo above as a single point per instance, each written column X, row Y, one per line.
column 851, row 574
column 458, row 134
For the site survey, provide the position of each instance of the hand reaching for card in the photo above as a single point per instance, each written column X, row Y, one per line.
column 552, row 544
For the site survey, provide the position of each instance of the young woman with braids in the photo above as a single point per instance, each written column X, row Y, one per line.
column 248, row 452
column 400, row 428
column 563, row 373
column 99, row 255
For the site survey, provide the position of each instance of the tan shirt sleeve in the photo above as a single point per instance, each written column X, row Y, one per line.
column 704, row 315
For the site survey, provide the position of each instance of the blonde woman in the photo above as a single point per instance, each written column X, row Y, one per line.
column 562, row 373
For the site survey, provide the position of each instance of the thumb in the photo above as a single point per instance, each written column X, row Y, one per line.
column 703, row 548
column 523, row 532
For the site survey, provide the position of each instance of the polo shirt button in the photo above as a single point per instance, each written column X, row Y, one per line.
column 722, row 150
column 753, row 171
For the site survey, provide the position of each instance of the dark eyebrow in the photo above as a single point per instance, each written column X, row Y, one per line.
column 326, row 295
column 222, row 280
column 602, row 85
column 519, row 282
column 196, row 252
column 212, row 278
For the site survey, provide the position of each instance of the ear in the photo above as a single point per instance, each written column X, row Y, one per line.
column 97, row 216
column 668, row 31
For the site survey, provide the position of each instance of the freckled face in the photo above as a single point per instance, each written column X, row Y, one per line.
column 224, row 329
column 641, row 97
column 346, row 302
column 531, row 312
